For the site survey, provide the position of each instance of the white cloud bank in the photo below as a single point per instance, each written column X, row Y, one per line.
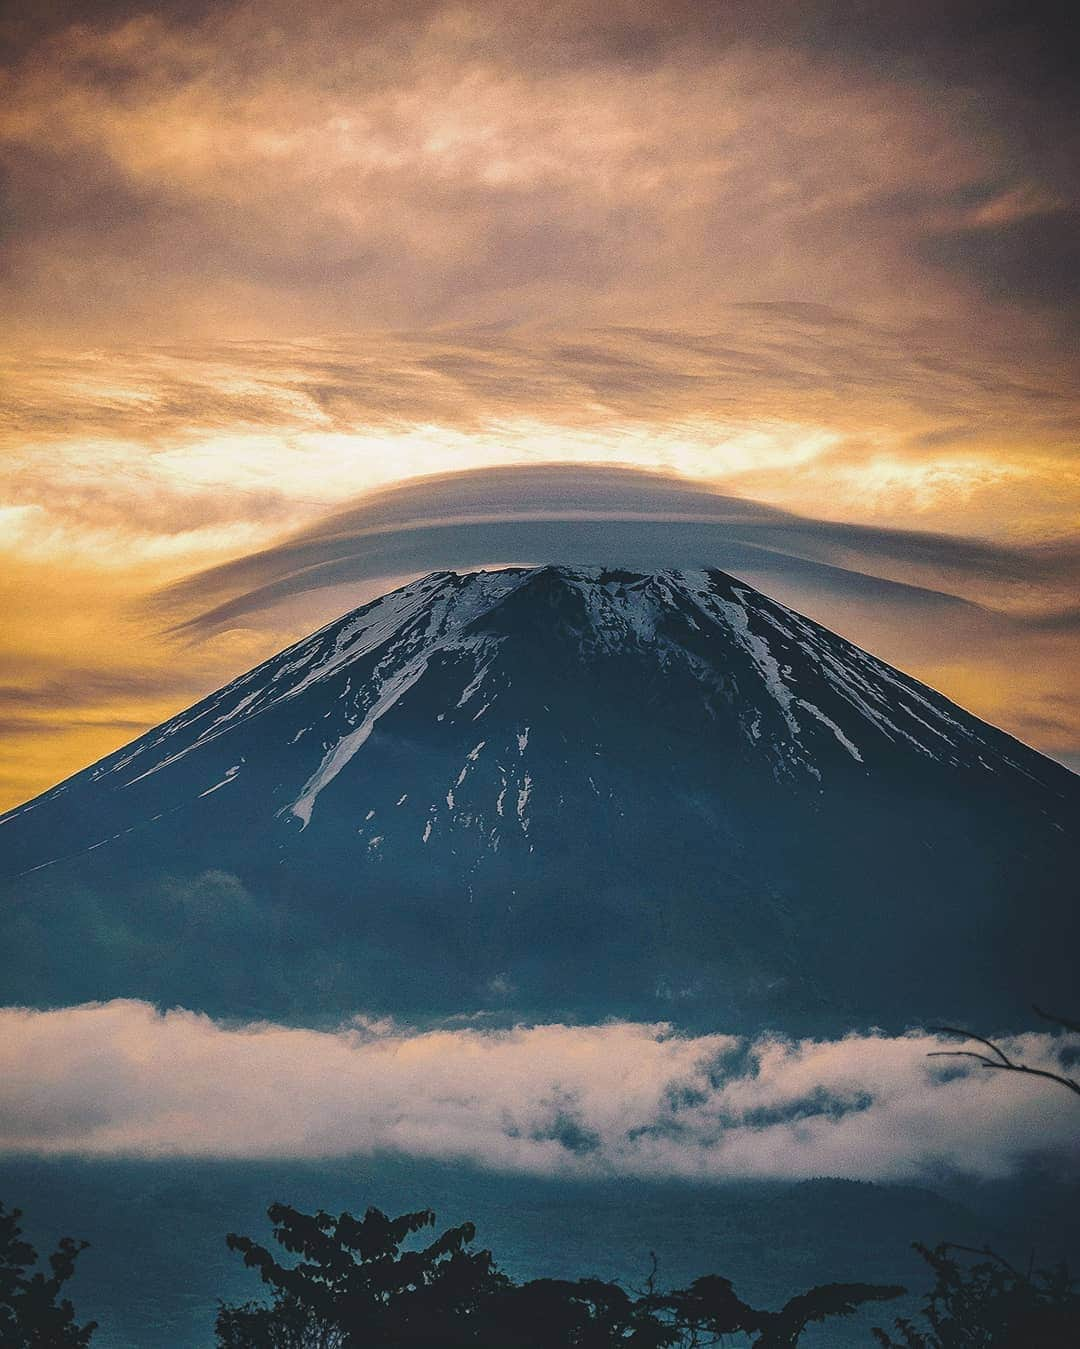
column 123, row 1078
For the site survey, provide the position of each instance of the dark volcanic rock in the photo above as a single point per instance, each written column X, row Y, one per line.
column 558, row 791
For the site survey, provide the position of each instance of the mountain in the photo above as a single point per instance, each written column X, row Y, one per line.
column 558, row 791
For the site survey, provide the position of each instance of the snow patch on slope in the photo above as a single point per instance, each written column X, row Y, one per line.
column 760, row 653
column 337, row 757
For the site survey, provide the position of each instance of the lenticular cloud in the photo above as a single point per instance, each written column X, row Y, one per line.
column 122, row 1078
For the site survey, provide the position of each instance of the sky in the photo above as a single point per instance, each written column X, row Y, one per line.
column 302, row 301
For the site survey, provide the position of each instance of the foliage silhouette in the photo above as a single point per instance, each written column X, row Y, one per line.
column 31, row 1316
column 980, row 1301
column 356, row 1285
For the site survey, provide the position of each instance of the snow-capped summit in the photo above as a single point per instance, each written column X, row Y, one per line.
column 567, row 785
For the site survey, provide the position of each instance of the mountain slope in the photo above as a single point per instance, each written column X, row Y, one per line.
column 573, row 790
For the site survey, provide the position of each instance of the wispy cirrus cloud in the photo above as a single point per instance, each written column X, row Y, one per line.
column 122, row 1078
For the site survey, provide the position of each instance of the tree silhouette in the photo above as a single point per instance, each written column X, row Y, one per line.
column 356, row 1284
column 710, row 1309
column 980, row 1301
column 31, row 1317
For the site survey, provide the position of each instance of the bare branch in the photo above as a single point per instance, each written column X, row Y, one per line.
column 1058, row 1019
column 967, row 1054
column 1002, row 1063
column 1006, row 1062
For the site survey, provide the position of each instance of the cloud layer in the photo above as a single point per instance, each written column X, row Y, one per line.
column 432, row 162
column 591, row 513
column 122, row 1078
column 260, row 261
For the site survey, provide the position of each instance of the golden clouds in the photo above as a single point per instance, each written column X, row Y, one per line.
column 261, row 262
column 128, row 469
column 248, row 172
column 208, row 447
column 82, row 671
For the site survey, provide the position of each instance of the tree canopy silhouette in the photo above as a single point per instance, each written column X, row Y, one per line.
column 981, row 1301
column 356, row 1284
column 33, row 1315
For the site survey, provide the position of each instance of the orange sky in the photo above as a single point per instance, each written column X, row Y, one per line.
column 260, row 263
